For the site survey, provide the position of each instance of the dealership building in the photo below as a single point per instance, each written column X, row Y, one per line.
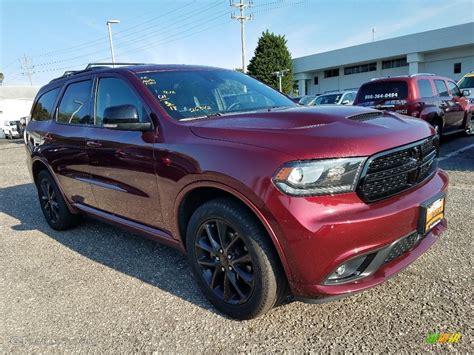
column 16, row 101
column 447, row 52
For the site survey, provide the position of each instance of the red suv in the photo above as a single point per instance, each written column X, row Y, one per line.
column 267, row 198
column 434, row 99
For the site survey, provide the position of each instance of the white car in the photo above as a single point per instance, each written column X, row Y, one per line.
column 336, row 98
column 467, row 84
column 11, row 129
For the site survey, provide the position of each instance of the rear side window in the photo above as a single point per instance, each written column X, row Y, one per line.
column 44, row 106
column 75, row 106
column 115, row 92
column 424, row 88
column 378, row 92
column 453, row 88
column 441, row 88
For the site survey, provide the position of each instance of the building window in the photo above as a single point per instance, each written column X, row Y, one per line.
column 457, row 68
column 394, row 63
column 331, row 73
column 316, row 80
column 363, row 68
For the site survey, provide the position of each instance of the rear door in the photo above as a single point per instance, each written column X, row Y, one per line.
column 66, row 149
column 122, row 164
column 459, row 104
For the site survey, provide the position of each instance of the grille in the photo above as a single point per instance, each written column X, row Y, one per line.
column 395, row 171
column 402, row 246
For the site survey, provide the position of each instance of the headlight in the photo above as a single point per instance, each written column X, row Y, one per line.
column 319, row 177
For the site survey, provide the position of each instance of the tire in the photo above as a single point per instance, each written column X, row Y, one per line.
column 52, row 203
column 229, row 251
column 470, row 127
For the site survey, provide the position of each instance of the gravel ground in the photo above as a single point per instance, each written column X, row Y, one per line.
column 99, row 289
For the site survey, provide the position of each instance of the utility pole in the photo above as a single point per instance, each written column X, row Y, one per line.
column 280, row 74
column 373, row 33
column 241, row 5
column 27, row 69
column 109, row 23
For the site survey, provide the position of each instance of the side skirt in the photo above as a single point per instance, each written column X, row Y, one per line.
column 146, row 231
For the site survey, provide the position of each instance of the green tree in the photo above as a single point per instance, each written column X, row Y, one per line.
column 1, row 78
column 272, row 55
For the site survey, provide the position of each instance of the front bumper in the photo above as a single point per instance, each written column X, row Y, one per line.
column 321, row 233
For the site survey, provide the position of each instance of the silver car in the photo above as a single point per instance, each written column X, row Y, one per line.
column 336, row 98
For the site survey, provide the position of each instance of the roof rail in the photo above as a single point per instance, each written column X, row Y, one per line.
column 102, row 65
column 94, row 66
column 421, row 74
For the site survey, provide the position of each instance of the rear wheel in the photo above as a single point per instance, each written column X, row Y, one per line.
column 233, row 260
column 52, row 203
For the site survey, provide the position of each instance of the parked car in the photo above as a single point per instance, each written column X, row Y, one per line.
column 267, row 198
column 307, row 100
column 435, row 99
column 11, row 129
column 335, row 98
column 467, row 83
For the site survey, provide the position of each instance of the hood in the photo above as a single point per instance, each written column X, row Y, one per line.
column 316, row 132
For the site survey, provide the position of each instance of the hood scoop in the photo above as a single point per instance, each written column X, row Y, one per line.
column 360, row 117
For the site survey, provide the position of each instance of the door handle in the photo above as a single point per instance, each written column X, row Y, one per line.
column 93, row 144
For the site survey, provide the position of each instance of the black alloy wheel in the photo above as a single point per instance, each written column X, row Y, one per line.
column 225, row 261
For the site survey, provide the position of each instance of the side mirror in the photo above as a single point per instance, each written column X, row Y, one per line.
column 466, row 93
column 124, row 117
column 345, row 102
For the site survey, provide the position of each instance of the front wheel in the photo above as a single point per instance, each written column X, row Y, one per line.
column 470, row 127
column 233, row 260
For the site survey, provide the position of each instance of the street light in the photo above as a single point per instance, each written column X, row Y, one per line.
column 109, row 23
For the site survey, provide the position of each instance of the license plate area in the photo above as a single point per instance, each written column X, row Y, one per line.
column 431, row 213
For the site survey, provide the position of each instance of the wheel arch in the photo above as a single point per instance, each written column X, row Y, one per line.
column 196, row 194
column 38, row 165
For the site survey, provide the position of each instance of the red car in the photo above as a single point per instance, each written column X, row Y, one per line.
column 435, row 99
column 267, row 198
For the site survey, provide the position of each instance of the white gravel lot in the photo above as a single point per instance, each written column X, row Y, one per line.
column 97, row 288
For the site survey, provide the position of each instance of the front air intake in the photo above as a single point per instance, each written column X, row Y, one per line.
column 365, row 116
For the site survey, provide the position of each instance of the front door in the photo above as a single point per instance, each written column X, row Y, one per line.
column 122, row 164
column 449, row 106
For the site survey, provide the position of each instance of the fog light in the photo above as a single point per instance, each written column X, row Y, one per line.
column 340, row 270
column 350, row 269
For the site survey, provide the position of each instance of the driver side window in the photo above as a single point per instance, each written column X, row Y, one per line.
column 115, row 92
column 453, row 89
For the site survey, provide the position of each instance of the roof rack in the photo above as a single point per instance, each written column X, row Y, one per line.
column 107, row 65
column 95, row 66
column 421, row 74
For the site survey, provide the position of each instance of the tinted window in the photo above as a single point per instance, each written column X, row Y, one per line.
column 379, row 92
column 75, row 107
column 441, row 88
column 453, row 88
column 424, row 87
column 115, row 92
column 197, row 93
column 44, row 106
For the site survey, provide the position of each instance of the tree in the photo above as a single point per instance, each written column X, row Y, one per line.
column 1, row 78
column 272, row 55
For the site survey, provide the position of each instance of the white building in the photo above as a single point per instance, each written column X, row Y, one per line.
column 447, row 52
column 16, row 101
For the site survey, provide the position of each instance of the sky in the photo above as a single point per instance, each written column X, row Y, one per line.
column 60, row 35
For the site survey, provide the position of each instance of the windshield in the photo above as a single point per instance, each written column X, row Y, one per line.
column 306, row 100
column 328, row 99
column 200, row 93
column 373, row 93
column 466, row 82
